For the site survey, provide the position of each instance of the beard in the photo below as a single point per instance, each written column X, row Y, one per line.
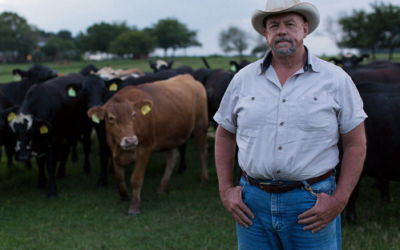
column 283, row 52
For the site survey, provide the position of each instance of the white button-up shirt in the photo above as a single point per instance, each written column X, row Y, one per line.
column 290, row 132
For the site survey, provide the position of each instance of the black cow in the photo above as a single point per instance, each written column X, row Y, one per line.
column 46, row 119
column 349, row 60
column 160, row 65
column 88, row 69
column 15, row 92
column 383, row 138
column 236, row 67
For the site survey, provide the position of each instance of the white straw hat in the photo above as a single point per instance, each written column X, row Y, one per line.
column 272, row 7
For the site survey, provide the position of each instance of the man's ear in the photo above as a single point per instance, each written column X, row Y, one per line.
column 114, row 84
column 73, row 88
column 144, row 106
column 96, row 112
column 305, row 28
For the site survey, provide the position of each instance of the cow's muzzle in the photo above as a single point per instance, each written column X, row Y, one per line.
column 129, row 143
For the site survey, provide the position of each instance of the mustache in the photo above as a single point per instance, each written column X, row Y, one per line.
column 283, row 38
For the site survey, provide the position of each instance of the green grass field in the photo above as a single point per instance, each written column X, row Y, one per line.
column 186, row 217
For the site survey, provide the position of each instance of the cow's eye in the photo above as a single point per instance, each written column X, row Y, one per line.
column 111, row 119
column 133, row 115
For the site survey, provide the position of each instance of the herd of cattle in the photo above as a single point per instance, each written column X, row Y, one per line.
column 136, row 113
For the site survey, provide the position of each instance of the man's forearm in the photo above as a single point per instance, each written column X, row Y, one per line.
column 354, row 153
column 225, row 146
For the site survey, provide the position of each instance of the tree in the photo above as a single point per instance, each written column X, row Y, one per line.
column 65, row 34
column 100, row 36
column 388, row 19
column 172, row 34
column 136, row 42
column 57, row 48
column 233, row 39
column 17, row 36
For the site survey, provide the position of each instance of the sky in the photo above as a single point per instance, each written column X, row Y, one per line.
column 207, row 17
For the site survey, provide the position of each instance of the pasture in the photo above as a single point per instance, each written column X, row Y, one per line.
column 186, row 217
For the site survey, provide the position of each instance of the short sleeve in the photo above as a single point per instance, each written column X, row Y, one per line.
column 225, row 116
column 351, row 113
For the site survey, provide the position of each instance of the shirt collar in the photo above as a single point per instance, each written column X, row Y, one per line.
column 309, row 64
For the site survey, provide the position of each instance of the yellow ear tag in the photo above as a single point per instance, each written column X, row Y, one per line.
column 233, row 68
column 145, row 109
column 71, row 92
column 11, row 116
column 113, row 87
column 43, row 129
column 95, row 119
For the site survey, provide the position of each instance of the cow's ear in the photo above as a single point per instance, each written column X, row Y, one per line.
column 170, row 64
column 41, row 126
column 234, row 66
column 114, row 84
column 9, row 114
column 152, row 65
column 143, row 106
column 21, row 73
column 97, row 114
column 73, row 88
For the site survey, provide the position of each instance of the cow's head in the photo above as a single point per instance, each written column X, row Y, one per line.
column 122, row 119
column 108, row 73
column 29, row 131
column 88, row 69
column 349, row 60
column 96, row 90
column 160, row 65
column 37, row 73
column 236, row 67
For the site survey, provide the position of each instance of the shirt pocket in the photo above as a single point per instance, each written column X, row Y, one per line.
column 314, row 112
column 251, row 112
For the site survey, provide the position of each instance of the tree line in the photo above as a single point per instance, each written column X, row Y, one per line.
column 22, row 42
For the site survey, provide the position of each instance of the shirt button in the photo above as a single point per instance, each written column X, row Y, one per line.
column 281, row 123
column 283, row 100
column 279, row 148
column 252, row 98
column 315, row 98
column 278, row 172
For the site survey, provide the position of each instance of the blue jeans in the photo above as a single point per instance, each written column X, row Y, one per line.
column 275, row 225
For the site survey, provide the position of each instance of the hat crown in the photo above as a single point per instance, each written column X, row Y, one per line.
column 275, row 5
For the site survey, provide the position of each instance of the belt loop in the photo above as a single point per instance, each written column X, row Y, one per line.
column 308, row 187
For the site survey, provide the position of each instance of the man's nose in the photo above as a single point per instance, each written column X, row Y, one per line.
column 282, row 30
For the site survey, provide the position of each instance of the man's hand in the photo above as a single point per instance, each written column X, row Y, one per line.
column 232, row 200
column 324, row 211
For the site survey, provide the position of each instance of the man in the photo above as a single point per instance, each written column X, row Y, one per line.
column 286, row 112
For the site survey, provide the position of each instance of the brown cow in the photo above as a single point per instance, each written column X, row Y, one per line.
column 153, row 117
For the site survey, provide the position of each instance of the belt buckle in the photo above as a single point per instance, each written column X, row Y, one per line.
column 263, row 185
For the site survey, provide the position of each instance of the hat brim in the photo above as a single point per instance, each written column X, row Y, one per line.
column 306, row 9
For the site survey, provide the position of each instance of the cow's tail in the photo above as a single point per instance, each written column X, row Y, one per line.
column 205, row 62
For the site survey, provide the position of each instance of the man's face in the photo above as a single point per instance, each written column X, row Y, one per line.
column 285, row 32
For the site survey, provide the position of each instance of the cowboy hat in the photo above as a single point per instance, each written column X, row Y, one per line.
column 272, row 7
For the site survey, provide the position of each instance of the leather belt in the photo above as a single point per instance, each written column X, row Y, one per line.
column 277, row 187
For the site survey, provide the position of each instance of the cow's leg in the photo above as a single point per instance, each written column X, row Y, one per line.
column 120, row 176
column 74, row 157
column 200, row 133
column 86, row 149
column 172, row 158
column 9, row 152
column 383, row 186
column 182, row 163
column 41, row 161
column 137, row 180
column 104, row 151
column 351, row 205
column 28, row 164
column 51, row 169
column 64, row 151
